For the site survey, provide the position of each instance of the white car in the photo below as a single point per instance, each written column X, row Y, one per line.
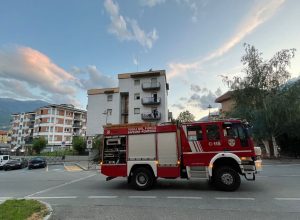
column 3, row 160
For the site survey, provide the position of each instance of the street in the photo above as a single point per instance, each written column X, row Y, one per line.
column 78, row 194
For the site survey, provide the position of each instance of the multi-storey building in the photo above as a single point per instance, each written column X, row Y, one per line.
column 59, row 123
column 22, row 129
column 140, row 97
column 3, row 137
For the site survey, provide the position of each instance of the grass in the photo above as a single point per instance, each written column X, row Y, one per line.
column 19, row 209
column 59, row 153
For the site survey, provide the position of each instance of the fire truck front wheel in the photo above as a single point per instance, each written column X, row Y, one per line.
column 227, row 179
column 142, row 178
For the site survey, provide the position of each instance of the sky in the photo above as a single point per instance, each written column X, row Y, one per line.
column 56, row 50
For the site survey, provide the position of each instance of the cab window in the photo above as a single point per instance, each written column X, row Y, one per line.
column 194, row 133
column 212, row 132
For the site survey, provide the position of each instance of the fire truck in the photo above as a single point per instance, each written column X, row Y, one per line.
column 219, row 151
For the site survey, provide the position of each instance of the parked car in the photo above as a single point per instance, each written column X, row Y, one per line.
column 3, row 160
column 12, row 165
column 23, row 161
column 37, row 162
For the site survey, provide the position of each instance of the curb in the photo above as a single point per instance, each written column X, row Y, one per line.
column 82, row 167
column 50, row 210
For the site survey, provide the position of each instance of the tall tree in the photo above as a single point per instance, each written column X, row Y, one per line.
column 39, row 144
column 79, row 144
column 258, row 94
column 185, row 116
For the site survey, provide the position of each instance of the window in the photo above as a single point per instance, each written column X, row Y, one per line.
column 51, row 129
column 109, row 111
column 136, row 111
column 137, row 96
column 136, row 82
column 194, row 133
column 212, row 132
column 52, row 120
column 109, row 98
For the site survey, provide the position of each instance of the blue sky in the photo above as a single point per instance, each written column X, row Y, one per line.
column 56, row 50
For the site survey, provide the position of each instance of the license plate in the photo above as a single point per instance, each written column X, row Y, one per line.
column 35, row 165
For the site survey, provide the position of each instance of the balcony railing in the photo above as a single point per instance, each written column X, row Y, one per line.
column 77, row 125
column 151, row 116
column 150, row 101
column 151, row 86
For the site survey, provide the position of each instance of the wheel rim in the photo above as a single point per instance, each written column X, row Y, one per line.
column 227, row 179
column 141, row 179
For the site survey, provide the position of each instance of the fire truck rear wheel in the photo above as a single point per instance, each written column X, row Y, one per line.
column 227, row 179
column 142, row 179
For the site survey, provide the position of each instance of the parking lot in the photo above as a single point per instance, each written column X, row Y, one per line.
column 77, row 194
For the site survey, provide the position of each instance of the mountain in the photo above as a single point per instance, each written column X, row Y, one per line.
column 10, row 106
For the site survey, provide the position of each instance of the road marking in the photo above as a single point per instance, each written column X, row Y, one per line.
column 233, row 198
column 6, row 198
column 288, row 199
column 52, row 197
column 291, row 175
column 183, row 197
column 102, row 197
column 72, row 168
column 142, row 197
column 47, row 168
column 61, row 185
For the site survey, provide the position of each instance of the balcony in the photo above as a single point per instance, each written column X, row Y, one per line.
column 151, row 117
column 77, row 125
column 150, row 101
column 151, row 86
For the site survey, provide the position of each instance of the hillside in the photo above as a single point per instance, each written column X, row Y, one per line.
column 9, row 106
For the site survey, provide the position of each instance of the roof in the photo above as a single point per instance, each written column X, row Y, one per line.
column 64, row 106
column 142, row 74
column 3, row 132
column 224, row 97
column 102, row 91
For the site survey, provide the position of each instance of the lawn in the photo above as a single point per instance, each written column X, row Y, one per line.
column 19, row 209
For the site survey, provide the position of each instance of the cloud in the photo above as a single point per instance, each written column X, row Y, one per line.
column 151, row 3
column 25, row 70
column 93, row 78
column 179, row 106
column 203, row 101
column 128, row 29
column 262, row 11
column 195, row 88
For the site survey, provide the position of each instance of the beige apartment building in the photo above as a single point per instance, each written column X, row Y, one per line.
column 59, row 123
column 3, row 137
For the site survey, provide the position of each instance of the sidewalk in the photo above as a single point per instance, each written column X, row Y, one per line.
column 87, row 165
column 268, row 161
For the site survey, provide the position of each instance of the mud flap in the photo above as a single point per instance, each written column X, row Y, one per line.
column 249, row 176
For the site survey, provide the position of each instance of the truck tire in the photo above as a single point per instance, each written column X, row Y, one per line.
column 142, row 179
column 226, row 179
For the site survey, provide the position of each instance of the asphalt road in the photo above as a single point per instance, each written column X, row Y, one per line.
column 77, row 194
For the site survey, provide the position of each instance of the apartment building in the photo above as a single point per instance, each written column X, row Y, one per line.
column 59, row 123
column 3, row 137
column 22, row 125
column 140, row 97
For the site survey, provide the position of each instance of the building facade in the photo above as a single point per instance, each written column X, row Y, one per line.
column 22, row 125
column 140, row 97
column 3, row 137
column 59, row 123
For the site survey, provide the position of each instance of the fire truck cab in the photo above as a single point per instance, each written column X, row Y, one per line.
column 219, row 151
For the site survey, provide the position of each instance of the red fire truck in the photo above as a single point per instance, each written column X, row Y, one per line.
column 219, row 151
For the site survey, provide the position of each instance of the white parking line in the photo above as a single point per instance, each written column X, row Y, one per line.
column 142, row 197
column 102, row 197
column 183, row 197
column 61, row 185
column 233, row 198
column 52, row 197
column 288, row 199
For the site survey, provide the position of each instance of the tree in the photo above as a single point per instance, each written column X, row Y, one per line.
column 98, row 147
column 39, row 144
column 186, row 116
column 79, row 144
column 260, row 96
